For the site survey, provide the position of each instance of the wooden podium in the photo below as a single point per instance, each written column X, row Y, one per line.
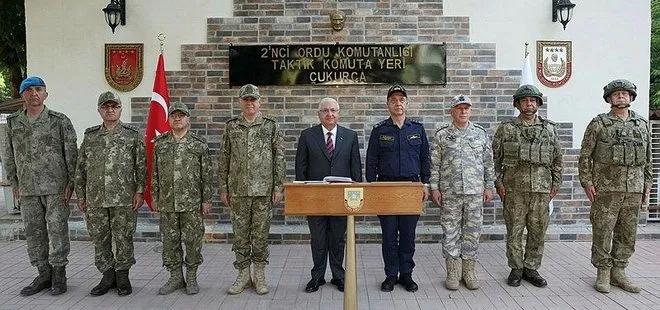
column 350, row 199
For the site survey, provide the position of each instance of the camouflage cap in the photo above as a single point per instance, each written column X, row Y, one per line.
column 178, row 106
column 396, row 88
column 460, row 99
column 249, row 90
column 108, row 96
column 31, row 81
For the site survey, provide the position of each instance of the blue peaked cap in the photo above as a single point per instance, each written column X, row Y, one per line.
column 31, row 81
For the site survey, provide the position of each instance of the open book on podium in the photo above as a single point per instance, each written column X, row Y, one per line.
column 328, row 179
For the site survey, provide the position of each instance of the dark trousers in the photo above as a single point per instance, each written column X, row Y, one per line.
column 328, row 241
column 398, row 243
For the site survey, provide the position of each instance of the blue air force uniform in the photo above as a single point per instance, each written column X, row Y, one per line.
column 398, row 154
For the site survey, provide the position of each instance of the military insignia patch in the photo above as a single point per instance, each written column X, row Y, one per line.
column 554, row 64
column 386, row 138
column 123, row 65
column 414, row 136
column 353, row 198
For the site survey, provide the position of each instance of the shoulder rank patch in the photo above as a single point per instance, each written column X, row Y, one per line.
column 92, row 129
column 479, row 126
column 380, row 123
column 56, row 114
column 197, row 137
column 442, row 128
column 129, row 127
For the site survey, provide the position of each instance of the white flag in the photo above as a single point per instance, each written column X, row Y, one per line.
column 526, row 77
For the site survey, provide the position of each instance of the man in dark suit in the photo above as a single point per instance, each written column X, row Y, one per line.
column 323, row 150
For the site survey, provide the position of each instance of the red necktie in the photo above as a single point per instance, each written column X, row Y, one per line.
column 329, row 146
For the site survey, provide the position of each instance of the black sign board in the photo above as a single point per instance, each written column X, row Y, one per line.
column 337, row 64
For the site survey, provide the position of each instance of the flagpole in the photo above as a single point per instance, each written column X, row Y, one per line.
column 526, row 52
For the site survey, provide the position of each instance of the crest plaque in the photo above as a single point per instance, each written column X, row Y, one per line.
column 123, row 65
column 353, row 198
column 554, row 62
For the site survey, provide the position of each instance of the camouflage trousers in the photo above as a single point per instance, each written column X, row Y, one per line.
column 525, row 210
column 461, row 218
column 182, row 227
column 250, row 220
column 46, row 228
column 614, row 217
column 108, row 225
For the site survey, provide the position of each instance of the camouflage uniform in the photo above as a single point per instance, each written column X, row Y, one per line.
column 41, row 161
column 462, row 167
column 181, row 182
column 252, row 168
column 616, row 159
column 528, row 163
column 111, row 170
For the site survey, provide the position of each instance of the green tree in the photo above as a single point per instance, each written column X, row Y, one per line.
column 13, row 62
column 654, row 93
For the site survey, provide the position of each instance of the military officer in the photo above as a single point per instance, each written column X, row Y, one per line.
column 528, row 166
column 615, row 172
column 40, row 165
column 181, row 189
column 398, row 150
column 252, row 169
column 462, row 179
column 109, row 187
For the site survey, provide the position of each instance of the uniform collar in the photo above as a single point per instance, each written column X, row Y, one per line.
column 257, row 120
column 631, row 115
column 104, row 131
column 390, row 121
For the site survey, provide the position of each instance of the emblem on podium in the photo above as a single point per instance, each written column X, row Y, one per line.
column 353, row 198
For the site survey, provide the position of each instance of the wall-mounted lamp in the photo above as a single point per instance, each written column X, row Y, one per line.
column 562, row 10
column 115, row 13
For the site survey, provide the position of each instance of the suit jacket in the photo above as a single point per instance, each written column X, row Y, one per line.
column 313, row 162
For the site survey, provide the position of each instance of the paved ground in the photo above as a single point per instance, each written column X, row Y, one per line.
column 566, row 267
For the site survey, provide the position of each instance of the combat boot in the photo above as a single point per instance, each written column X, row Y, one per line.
column 453, row 274
column 174, row 283
column 470, row 275
column 108, row 281
column 532, row 276
column 260, row 285
column 59, row 281
column 618, row 278
column 242, row 282
column 40, row 282
column 515, row 276
column 603, row 280
column 124, row 286
column 192, row 287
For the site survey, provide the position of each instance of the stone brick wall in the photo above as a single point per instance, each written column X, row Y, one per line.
column 202, row 84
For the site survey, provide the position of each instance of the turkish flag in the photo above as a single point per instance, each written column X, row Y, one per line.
column 156, row 121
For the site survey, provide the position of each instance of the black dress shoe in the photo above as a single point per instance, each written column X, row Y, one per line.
column 514, row 277
column 533, row 276
column 408, row 283
column 388, row 284
column 339, row 283
column 313, row 285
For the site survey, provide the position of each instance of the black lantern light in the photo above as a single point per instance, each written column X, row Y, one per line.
column 115, row 13
column 562, row 11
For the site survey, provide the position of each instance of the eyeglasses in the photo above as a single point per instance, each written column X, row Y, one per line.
column 110, row 107
column 328, row 111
